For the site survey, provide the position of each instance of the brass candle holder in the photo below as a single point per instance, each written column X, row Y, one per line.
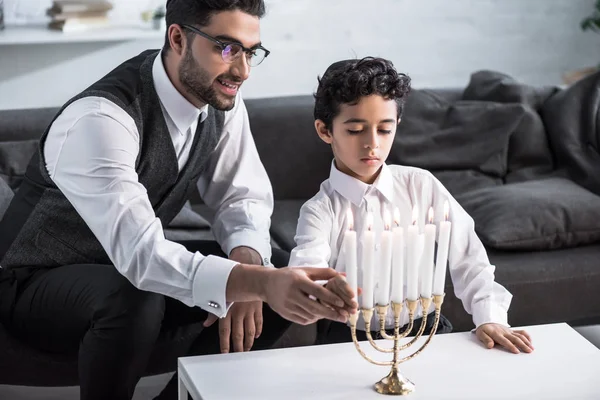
column 395, row 383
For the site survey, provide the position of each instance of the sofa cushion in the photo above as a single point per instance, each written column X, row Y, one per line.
column 535, row 215
column 572, row 118
column 498, row 87
column 6, row 195
column 14, row 158
column 457, row 136
column 529, row 154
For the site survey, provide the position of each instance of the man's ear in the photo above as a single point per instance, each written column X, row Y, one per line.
column 323, row 132
column 399, row 119
column 177, row 39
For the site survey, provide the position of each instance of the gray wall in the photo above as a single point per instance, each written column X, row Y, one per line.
column 437, row 42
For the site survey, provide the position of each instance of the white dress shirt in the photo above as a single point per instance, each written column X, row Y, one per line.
column 90, row 154
column 323, row 221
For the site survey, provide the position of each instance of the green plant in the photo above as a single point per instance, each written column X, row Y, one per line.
column 160, row 12
column 592, row 22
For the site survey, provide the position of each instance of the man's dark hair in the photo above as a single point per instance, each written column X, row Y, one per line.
column 346, row 82
column 199, row 12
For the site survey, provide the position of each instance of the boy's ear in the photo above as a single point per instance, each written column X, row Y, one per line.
column 323, row 132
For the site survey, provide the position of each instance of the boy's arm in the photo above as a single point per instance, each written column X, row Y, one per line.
column 469, row 266
column 312, row 236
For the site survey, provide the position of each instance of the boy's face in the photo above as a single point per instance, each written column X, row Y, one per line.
column 362, row 136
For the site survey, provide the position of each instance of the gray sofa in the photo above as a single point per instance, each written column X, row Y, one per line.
column 500, row 147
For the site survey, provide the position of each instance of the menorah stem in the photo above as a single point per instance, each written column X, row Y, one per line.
column 395, row 383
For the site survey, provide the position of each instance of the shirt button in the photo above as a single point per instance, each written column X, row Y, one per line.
column 377, row 246
column 266, row 261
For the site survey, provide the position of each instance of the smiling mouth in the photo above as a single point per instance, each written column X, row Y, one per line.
column 228, row 85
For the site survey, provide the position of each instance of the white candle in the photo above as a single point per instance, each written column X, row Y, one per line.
column 439, row 278
column 350, row 254
column 385, row 263
column 427, row 261
column 368, row 264
column 412, row 260
column 398, row 260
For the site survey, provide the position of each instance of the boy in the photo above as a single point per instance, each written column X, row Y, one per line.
column 358, row 106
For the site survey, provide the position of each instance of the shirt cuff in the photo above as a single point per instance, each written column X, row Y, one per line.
column 488, row 311
column 249, row 239
column 210, row 285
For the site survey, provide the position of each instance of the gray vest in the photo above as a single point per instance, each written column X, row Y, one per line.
column 41, row 227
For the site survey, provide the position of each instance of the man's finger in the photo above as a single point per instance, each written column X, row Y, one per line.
column 258, row 321
column 350, row 304
column 346, row 291
column 225, row 333
column 319, row 292
column 318, row 310
column 211, row 319
column 299, row 318
column 249, row 331
column 320, row 274
column 237, row 333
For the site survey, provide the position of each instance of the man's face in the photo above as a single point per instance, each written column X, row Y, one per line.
column 202, row 71
column 362, row 136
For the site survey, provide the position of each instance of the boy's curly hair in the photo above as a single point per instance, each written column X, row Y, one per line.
column 345, row 82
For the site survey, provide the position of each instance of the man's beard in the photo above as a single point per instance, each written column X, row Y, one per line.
column 196, row 81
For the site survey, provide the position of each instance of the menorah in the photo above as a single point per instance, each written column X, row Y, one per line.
column 412, row 254
column 395, row 383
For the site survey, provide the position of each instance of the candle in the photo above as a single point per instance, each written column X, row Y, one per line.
column 427, row 261
column 412, row 260
column 442, row 254
column 385, row 262
column 368, row 264
column 350, row 254
column 398, row 260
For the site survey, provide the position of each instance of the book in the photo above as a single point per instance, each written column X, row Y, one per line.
column 71, row 6
column 68, row 15
column 79, row 24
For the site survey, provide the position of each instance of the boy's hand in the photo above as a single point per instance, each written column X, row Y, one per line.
column 513, row 341
column 340, row 287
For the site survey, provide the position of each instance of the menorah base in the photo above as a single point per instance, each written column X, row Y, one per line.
column 395, row 384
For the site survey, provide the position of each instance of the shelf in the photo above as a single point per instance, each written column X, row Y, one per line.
column 36, row 34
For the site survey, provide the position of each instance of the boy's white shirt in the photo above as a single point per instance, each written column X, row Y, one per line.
column 323, row 221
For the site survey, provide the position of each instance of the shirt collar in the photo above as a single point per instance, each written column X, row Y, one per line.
column 355, row 190
column 182, row 112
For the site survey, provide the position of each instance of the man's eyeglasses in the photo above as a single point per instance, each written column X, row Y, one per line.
column 231, row 51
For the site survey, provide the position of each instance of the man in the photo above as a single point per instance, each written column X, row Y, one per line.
column 86, row 266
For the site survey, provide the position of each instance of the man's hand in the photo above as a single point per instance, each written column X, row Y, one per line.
column 287, row 291
column 244, row 320
column 243, row 324
column 513, row 341
column 340, row 287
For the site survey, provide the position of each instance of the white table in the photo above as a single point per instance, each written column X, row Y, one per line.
column 564, row 365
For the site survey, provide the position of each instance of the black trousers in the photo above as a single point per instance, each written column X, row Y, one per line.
column 94, row 312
